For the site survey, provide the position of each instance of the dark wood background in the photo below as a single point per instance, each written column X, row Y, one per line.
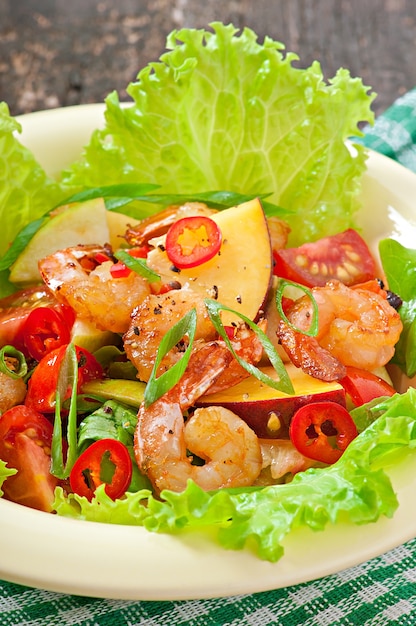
column 62, row 52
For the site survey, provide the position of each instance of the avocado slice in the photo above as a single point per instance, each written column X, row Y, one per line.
column 131, row 392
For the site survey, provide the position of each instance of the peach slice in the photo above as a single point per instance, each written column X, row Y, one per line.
column 268, row 411
column 240, row 275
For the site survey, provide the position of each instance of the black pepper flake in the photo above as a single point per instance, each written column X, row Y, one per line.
column 215, row 292
column 157, row 310
column 173, row 268
column 170, row 431
column 238, row 298
column 174, row 284
column 161, row 247
column 136, row 330
column 107, row 409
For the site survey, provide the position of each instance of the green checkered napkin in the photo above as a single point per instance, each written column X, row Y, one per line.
column 378, row 593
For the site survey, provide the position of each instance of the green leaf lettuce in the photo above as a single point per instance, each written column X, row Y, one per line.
column 356, row 488
column 221, row 111
column 26, row 192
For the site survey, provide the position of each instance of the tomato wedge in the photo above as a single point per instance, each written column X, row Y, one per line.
column 43, row 331
column 192, row 241
column 25, row 444
column 43, row 382
column 322, row 431
column 345, row 257
column 105, row 461
column 363, row 386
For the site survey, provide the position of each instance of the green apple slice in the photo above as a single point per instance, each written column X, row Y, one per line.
column 80, row 223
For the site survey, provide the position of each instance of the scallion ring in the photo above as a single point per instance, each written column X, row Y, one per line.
column 313, row 328
column 12, row 353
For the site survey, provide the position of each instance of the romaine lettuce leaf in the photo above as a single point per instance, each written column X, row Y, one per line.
column 26, row 192
column 221, row 111
column 356, row 488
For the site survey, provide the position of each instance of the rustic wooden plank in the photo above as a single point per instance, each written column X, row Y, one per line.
column 63, row 52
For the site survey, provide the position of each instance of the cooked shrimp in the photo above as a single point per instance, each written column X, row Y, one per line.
column 357, row 327
column 75, row 279
column 153, row 318
column 157, row 314
column 280, row 458
column 158, row 224
column 230, row 449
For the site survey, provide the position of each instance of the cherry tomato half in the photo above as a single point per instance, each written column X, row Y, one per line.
column 105, row 461
column 192, row 241
column 363, row 386
column 44, row 330
column 345, row 257
column 25, row 444
column 43, row 382
column 15, row 309
column 322, row 431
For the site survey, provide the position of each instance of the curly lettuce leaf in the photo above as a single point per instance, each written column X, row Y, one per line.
column 26, row 192
column 356, row 488
column 5, row 472
column 221, row 111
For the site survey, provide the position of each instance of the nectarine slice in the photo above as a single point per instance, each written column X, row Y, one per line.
column 268, row 411
column 240, row 275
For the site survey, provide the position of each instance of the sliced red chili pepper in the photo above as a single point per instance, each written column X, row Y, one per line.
column 119, row 270
column 140, row 252
column 322, row 431
column 44, row 330
column 363, row 386
column 101, row 257
column 192, row 241
column 106, row 461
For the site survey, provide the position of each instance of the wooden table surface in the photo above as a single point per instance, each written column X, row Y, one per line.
column 62, row 52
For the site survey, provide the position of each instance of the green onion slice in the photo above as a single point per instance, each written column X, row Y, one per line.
column 283, row 383
column 158, row 386
column 68, row 377
column 11, row 351
column 137, row 265
column 283, row 284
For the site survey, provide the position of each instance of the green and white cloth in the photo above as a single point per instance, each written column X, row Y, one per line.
column 380, row 592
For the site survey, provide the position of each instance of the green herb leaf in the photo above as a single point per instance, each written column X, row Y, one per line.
column 283, row 383
column 127, row 191
column 399, row 265
column 68, row 377
column 158, row 386
column 137, row 265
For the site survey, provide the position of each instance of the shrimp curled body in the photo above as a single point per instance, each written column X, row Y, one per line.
column 88, row 287
column 229, row 447
column 357, row 327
